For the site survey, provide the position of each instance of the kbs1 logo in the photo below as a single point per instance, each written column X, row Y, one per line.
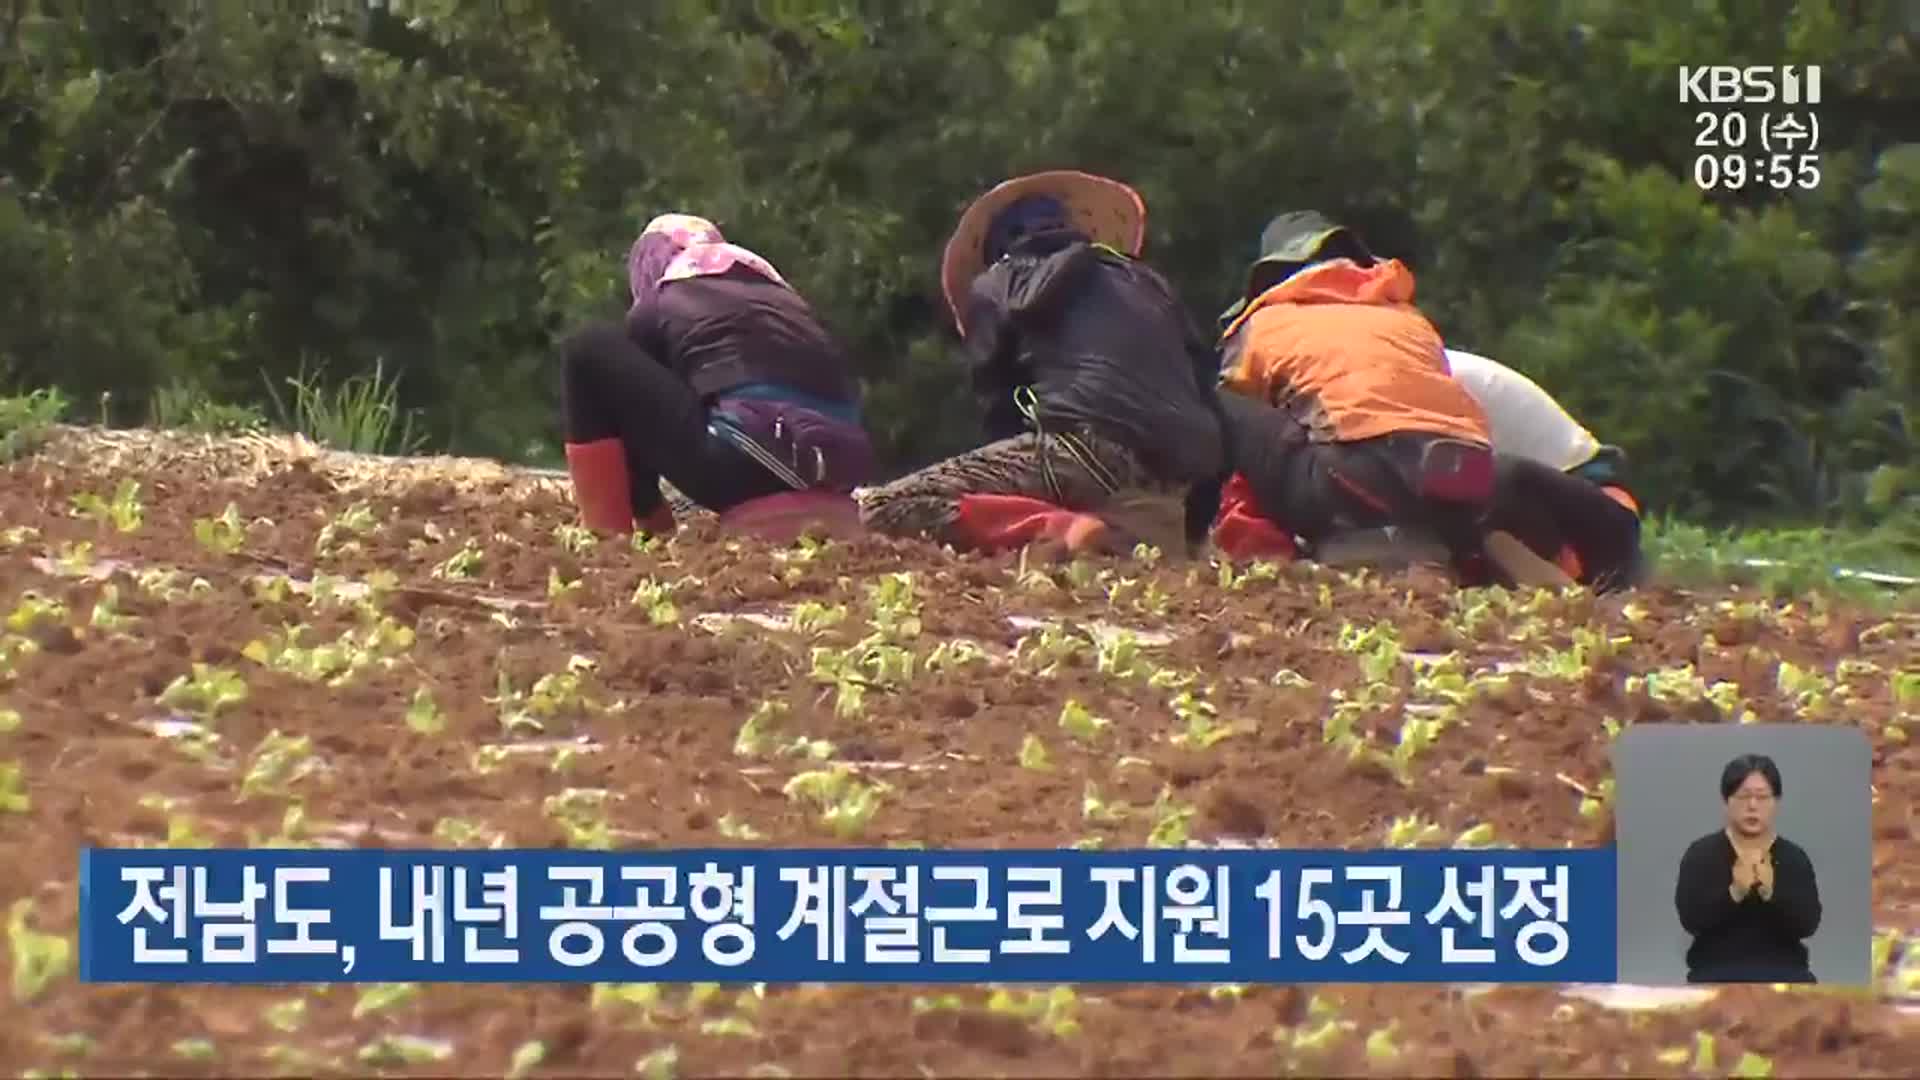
column 1786, row 84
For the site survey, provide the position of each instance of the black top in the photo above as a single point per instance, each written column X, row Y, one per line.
column 1754, row 940
column 1103, row 342
column 728, row 330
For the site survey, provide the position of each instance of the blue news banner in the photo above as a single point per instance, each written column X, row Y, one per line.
column 783, row 916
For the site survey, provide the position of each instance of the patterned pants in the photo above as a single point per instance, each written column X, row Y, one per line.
column 1138, row 504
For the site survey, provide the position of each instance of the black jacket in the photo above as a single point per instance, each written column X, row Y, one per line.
column 1754, row 940
column 1103, row 342
column 727, row 330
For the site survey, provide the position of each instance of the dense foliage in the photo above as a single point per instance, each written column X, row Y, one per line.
column 199, row 202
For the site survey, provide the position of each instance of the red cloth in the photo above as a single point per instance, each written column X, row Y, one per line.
column 1004, row 522
column 1241, row 532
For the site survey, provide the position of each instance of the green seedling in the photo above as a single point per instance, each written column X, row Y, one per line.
column 398, row 1051
column 1377, row 647
column 34, row 609
column 1053, row 1011
column 1905, row 688
column 106, row 610
column 1201, row 718
column 38, row 958
column 582, row 814
column 1413, row 831
column 204, row 693
column 1095, row 808
column 10, row 721
column 123, row 511
column 550, row 695
column 574, row 539
column 644, row 997
column 184, row 832
column 755, row 732
column 272, row 589
column 656, row 599
column 1340, row 724
column 1417, row 734
column 738, row 1027
column 811, row 618
column 223, row 535
column 74, row 560
column 286, row 1016
column 1118, row 655
column 1599, row 801
column 1045, row 650
column 1033, row 754
column 1479, row 836
column 337, row 536
column 194, row 1049
column 734, row 829
column 527, row 1057
column 1256, row 571
column 279, row 760
column 1810, row 693
column 423, row 715
column 458, row 832
column 1082, row 575
column 1032, row 578
column 1683, row 685
column 1076, row 720
column 894, row 607
column 160, row 583
column 14, row 649
column 378, row 642
column 661, row 1064
column 71, row 1044
column 1169, row 679
column 954, row 654
column 1171, row 821
column 1153, row 601
column 559, row 589
column 462, row 564
column 383, row 996
column 295, row 1061
column 461, row 833
column 18, row 536
column 807, row 549
column 846, row 802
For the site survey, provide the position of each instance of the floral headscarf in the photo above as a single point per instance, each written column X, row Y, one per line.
column 675, row 246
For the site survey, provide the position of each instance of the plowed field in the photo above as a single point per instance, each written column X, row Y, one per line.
column 260, row 645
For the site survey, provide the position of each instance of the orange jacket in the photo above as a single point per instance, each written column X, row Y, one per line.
column 1342, row 347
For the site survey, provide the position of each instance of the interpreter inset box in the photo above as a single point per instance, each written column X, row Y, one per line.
column 1745, row 854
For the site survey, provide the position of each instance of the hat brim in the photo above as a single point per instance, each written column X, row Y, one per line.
column 1107, row 211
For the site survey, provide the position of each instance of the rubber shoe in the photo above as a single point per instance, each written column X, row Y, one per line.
column 602, row 491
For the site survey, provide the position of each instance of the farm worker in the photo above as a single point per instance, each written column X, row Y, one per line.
column 1343, row 416
column 1557, row 488
column 1097, row 388
column 723, row 381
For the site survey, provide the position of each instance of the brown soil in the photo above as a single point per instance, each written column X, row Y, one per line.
column 1517, row 761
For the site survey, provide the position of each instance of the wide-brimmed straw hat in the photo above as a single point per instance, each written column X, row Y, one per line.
column 1108, row 211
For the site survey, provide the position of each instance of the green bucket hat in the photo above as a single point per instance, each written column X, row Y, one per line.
column 1289, row 240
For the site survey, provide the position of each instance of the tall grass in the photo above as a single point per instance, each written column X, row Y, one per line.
column 25, row 421
column 361, row 415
